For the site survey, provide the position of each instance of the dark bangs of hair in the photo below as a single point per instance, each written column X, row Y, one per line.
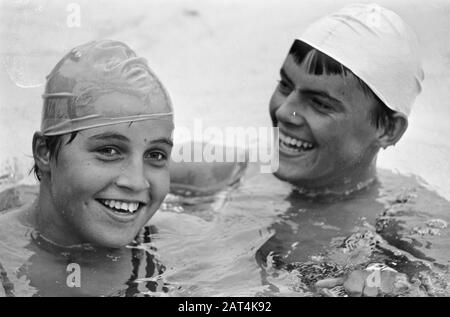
column 319, row 63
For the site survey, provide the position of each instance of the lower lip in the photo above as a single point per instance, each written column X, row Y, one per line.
column 286, row 151
column 120, row 217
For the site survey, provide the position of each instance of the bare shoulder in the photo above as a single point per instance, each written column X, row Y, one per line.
column 416, row 219
column 16, row 204
column 14, row 218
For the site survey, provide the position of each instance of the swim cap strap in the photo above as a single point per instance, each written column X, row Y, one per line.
column 94, row 121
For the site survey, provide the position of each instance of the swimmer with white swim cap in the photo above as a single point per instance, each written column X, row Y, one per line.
column 346, row 89
column 103, row 150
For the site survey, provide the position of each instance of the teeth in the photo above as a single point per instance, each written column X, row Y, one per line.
column 295, row 142
column 121, row 205
column 133, row 207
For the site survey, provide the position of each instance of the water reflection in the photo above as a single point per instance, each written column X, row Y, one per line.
column 260, row 238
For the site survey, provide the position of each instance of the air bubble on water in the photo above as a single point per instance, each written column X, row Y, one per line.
column 18, row 70
column 23, row 53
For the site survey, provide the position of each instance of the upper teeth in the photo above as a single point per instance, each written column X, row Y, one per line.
column 126, row 206
column 295, row 142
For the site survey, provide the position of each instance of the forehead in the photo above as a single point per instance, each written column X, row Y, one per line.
column 344, row 87
column 145, row 130
column 117, row 104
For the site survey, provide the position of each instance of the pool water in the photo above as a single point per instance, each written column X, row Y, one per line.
column 258, row 238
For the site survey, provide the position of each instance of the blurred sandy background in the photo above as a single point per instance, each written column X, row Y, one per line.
column 218, row 59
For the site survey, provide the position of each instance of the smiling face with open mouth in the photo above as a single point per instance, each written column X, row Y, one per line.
column 107, row 182
column 325, row 133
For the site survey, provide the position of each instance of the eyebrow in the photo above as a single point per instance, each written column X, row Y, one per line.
column 163, row 140
column 109, row 136
column 119, row 137
column 286, row 77
column 322, row 94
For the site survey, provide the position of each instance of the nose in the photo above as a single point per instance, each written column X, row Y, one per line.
column 133, row 177
column 290, row 111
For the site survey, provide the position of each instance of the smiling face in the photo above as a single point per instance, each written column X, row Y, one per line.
column 326, row 138
column 108, row 181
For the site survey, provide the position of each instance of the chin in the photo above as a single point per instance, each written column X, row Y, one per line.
column 296, row 176
column 285, row 174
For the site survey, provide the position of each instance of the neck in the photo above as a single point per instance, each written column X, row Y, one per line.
column 49, row 221
column 356, row 180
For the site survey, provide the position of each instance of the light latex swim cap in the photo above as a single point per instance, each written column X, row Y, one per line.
column 92, row 70
column 377, row 46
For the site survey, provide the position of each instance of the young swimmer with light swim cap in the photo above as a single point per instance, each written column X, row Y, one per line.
column 346, row 90
column 347, row 86
column 102, row 161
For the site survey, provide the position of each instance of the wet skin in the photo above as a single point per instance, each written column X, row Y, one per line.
column 101, row 272
column 125, row 162
column 332, row 115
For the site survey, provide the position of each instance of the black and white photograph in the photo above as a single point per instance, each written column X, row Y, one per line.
column 224, row 149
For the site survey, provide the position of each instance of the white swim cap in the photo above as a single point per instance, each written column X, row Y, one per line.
column 377, row 46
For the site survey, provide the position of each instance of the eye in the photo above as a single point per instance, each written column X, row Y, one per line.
column 319, row 105
column 109, row 153
column 284, row 87
column 156, row 156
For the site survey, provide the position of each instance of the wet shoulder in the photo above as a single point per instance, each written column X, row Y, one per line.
column 415, row 219
column 15, row 236
column 15, row 196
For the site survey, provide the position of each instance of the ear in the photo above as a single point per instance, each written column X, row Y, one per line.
column 391, row 134
column 41, row 152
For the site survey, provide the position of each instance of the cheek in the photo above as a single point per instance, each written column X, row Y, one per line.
column 334, row 138
column 79, row 181
column 349, row 141
column 274, row 104
column 160, row 184
column 363, row 134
